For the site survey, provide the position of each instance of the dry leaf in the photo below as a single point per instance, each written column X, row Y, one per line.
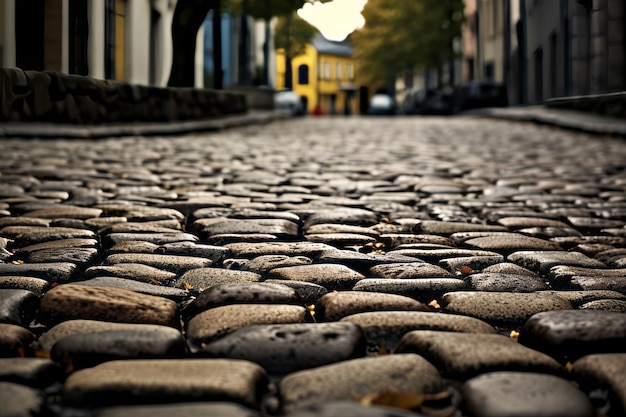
column 434, row 304
column 514, row 334
column 154, row 281
column 465, row 270
column 569, row 366
column 382, row 350
column 187, row 286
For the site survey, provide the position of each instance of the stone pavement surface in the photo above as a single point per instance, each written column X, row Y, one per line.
column 315, row 267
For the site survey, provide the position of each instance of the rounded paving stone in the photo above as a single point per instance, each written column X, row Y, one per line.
column 508, row 243
column 501, row 308
column 18, row 307
column 386, row 328
column 308, row 292
column 30, row 235
column 252, row 250
column 542, row 261
column 14, row 340
column 617, row 306
column 285, row 348
column 217, row 322
column 175, row 294
column 201, row 279
column 516, row 394
column 143, row 342
column 197, row 409
column 604, row 370
column 506, row 283
column 171, row 263
column 358, row 378
column 409, row 271
column 263, row 264
column 148, row 381
column 71, row 301
column 136, row 272
column 249, row 293
column 466, row 355
column 421, row 289
column 330, row 276
column 37, row 286
column 21, row 401
column 338, row 304
column 51, row 272
column 33, row 372
column 571, row 334
column 350, row 409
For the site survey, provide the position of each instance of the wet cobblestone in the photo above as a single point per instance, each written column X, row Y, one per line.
column 318, row 266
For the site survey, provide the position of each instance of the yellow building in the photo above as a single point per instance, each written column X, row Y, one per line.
column 323, row 76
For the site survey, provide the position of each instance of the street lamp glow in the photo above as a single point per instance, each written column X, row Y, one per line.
column 335, row 19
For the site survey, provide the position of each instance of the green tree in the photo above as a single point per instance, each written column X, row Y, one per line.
column 402, row 35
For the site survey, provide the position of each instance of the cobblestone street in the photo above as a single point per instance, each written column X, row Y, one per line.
column 456, row 266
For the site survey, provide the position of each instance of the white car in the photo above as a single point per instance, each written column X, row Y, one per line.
column 382, row 104
column 289, row 100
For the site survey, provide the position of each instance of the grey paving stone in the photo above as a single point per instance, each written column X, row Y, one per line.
column 341, row 228
column 466, row 355
column 308, row 292
column 139, row 213
column 248, row 293
column 32, row 372
column 65, row 212
column 591, row 224
column 280, row 228
column 351, row 216
column 357, row 378
column 14, row 340
column 617, row 306
column 386, row 328
column 175, row 294
column 22, row 401
column 30, row 235
column 507, row 243
column 285, row 348
column 218, row 322
column 134, row 271
column 420, row 289
column 35, row 285
column 18, row 307
column 263, row 264
column 474, row 263
column 504, row 394
column 501, row 308
column 23, row 221
column 350, row 409
column 362, row 261
column 500, row 282
column 516, row 223
column 393, row 240
column 563, row 274
column 330, row 276
column 568, row 335
column 187, row 248
column 87, row 350
column 409, row 271
column 157, row 226
column 341, row 240
column 338, row 304
column 542, row 261
column 605, row 370
column 172, row 263
column 159, row 238
column 162, row 381
column 578, row 298
column 437, row 255
column 448, row 228
column 252, row 250
column 135, row 246
column 57, row 244
column 509, row 268
column 79, row 256
column 71, row 301
column 195, row 409
column 201, row 279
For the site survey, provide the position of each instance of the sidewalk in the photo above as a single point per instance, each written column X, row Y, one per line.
column 568, row 119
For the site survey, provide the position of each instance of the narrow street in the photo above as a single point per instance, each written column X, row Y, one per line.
column 465, row 264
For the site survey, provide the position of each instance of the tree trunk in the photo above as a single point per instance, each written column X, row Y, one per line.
column 188, row 17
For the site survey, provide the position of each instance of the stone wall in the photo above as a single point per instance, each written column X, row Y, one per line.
column 63, row 98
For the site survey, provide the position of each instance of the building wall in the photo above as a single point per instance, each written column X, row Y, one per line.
column 490, row 54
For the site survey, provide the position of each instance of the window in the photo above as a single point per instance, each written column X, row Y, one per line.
column 350, row 70
column 303, row 74
column 327, row 70
column 338, row 71
column 78, row 37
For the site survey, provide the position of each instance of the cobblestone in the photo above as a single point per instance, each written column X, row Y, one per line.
column 316, row 266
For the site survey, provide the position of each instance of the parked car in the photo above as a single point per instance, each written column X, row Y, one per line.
column 430, row 101
column 382, row 104
column 289, row 100
column 479, row 94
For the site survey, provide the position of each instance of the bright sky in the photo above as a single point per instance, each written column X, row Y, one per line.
column 335, row 19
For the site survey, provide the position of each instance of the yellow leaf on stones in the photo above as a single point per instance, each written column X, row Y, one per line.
column 514, row 334
column 403, row 400
column 434, row 304
column 382, row 350
column 465, row 270
column 385, row 220
column 187, row 286
column 154, row 281
column 569, row 366
column 311, row 309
